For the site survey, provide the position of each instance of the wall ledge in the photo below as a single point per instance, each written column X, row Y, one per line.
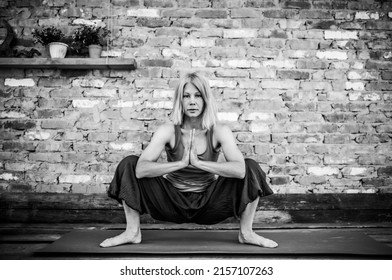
column 69, row 63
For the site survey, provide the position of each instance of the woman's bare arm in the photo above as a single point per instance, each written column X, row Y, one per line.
column 233, row 167
column 148, row 166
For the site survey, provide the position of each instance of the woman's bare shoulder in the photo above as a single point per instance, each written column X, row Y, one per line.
column 222, row 131
column 222, row 128
column 165, row 129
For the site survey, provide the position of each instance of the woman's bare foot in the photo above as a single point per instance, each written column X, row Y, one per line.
column 123, row 238
column 255, row 239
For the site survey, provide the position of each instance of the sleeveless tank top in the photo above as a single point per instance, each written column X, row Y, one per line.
column 190, row 179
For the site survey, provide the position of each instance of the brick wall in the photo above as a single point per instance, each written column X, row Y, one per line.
column 306, row 86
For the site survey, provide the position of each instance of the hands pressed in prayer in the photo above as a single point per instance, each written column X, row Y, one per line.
column 190, row 153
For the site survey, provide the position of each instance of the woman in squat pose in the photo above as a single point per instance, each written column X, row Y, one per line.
column 192, row 186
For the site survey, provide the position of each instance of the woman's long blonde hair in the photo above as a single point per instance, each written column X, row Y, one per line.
column 209, row 118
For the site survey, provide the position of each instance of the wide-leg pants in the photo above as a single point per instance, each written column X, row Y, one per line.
column 224, row 198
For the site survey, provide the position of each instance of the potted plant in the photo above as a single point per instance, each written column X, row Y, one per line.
column 52, row 37
column 91, row 36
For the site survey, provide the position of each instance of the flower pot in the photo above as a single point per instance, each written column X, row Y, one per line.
column 57, row 50
column 95, row 51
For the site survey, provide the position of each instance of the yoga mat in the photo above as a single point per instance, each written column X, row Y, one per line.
column 155, row 242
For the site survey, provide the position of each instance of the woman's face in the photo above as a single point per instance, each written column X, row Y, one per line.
column 192, row 101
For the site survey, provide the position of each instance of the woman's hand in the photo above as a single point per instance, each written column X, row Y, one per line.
column 190, row 151
column 194, row 160
column 186, row 156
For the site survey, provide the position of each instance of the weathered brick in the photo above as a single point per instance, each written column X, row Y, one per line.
column 150, row 13
column 378, row 86
column 334, row 74
column 334, row 55
column 337, row 139
column 159, row 3
column 153, row 83
column 385, row 171
column 18, row 124
column 356, row 171
column 386, row 75
column 20, row 187
column 377, row 65
column 263, row 73
column 127, row 125
column 79, row 157
column 8, row 176
column 48, row 113
column 12, row 115
column 237, row 63
column 384, row 129
column 282, row 84
column 290, row 64
column 235, row 43
column 126, row 104
column 315, row 14
column 227, row 3
column 371, row 159
column 259, row 127
column 211, row 13
column 232, row 73
column 197, row 43
column 269, row 44
column 228, row 116
column 293, row 74
column 340, row 35
column 303, row 44
column 94, row 92
column 362, row 75
column 311, row 180
column 308, row 34
column 194, row 3
column 289, row 127
column 38, row 135
column 296, row 4
column 260, row 4
column 244, row 13
column 306, row 117
column 265, row 53
column 266, row 105
column 157, row 104
column 53, row 146
column 222, row 84
column 301, row 107
column 178, row 13
column 322, row 24
column 65, row 93
column 56, row 124
column 248, row 84
column 239, row 33
column 355, row 85
column 153, row 22
column 367, row 15
column 46, row 157
column 19, row 82
column 311, row 86
column 311, row 64
column 379, row 25
column 71, row 178
column 266, row 117
column 84, row 103
column 323, row 171
column 88, row 83
column 279, row 13
column 275, row 180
